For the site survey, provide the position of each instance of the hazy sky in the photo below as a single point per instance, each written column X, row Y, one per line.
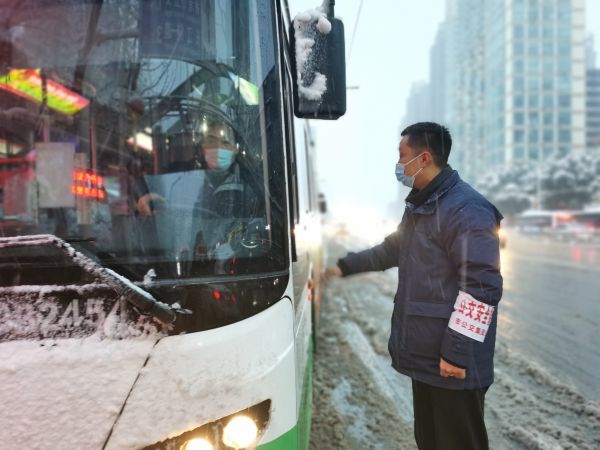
column 357, row 153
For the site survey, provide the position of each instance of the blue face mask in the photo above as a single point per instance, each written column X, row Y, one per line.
column 406, row 180
column 224, row 158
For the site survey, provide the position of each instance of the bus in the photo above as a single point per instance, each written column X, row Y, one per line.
column 539, row 221
column 583, row 225
column 587, row 224
column 589, row 218
column 160, row 243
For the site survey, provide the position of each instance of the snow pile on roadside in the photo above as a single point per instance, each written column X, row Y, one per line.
column 359, row 401
column 536, row 410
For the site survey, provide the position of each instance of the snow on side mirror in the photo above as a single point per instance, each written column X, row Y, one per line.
column 318, row 64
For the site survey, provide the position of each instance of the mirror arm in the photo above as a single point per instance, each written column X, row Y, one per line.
column 330, row 10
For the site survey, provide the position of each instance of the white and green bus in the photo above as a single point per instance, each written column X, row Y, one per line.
column 159, row 221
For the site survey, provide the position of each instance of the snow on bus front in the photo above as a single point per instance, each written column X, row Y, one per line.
column 71, row 346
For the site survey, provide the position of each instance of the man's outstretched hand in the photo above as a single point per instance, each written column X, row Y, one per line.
column 332, row 272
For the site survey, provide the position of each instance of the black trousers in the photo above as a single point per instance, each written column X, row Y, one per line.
column 448, row 419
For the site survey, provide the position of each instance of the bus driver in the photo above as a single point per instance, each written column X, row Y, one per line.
column 219, row 203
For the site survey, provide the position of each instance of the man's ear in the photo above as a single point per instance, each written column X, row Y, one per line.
column 427, row 158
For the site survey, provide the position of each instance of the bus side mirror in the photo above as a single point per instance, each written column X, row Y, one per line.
column 322, row 203
column 318, row 70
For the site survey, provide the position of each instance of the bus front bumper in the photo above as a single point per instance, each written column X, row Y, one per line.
column 192, row 381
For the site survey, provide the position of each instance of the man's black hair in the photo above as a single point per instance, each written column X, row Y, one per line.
column 431, row 136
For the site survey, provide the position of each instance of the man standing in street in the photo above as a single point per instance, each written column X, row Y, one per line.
column 445, row 310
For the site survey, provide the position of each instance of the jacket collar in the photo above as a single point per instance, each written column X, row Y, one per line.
column 431, row 203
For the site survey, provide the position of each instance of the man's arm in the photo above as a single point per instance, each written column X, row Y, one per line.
column 473, row 246
column 380, row 257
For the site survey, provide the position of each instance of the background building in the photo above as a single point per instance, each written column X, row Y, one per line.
column 509, row 79
column 593, row 98
column 418, row 104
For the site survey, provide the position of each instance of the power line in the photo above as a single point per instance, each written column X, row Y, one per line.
column 354, row 30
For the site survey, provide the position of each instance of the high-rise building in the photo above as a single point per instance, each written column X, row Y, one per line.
column 439, row 62
column 590, row 52
column 545, row 80
column 418, row 104
column 593, row 109
column 592, row 98
column 513, row 77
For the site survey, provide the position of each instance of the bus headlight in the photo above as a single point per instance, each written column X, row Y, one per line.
column 240, row 432
column 197, row 444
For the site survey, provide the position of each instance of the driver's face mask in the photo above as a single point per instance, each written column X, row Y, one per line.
column 218, row 158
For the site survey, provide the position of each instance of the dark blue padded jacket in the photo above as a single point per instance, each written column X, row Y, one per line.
column 446, row 245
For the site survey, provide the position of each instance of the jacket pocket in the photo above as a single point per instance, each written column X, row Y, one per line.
column 426, row 323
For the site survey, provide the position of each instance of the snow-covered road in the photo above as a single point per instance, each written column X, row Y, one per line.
column 360, row 402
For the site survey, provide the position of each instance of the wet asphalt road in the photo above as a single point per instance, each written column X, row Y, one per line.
column 550, row 310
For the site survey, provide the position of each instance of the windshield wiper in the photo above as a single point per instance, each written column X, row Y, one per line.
column 138, row 297
column 142, row 299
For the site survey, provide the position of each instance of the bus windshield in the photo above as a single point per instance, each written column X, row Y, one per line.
column 145, row 133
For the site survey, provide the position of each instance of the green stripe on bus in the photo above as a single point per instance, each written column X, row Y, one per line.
column 287, row 441
column 306, row 403
column 299, row 436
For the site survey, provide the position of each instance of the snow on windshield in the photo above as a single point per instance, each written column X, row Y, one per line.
column 97, row 308
column 69, row 355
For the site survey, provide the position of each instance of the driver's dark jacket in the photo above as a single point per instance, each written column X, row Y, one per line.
column 447, row 244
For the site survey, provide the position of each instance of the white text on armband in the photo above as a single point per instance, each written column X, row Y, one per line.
column 471, row 317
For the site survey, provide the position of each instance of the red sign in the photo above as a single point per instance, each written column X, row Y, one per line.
column 88, row 185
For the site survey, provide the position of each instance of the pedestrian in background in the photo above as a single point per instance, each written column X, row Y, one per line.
column 443, row 329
